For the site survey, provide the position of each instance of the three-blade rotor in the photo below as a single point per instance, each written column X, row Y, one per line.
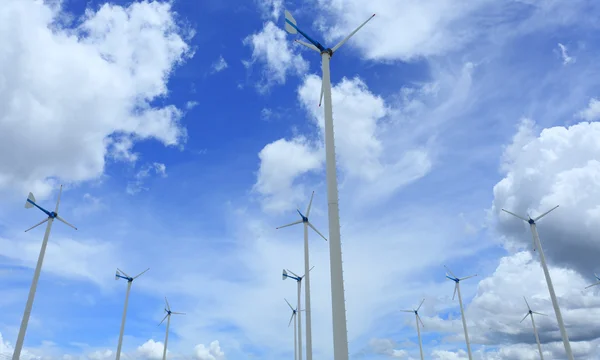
column 294, row 311
column 120, row 274
column 594, row 284
column 416, row 312
column 294, row 276
column 529, row 311
column 30, row 202
column 304, row 219
column 529, row 220
column 169, row 312
column 456, row 279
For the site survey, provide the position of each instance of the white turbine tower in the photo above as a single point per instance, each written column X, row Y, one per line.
column 340, row 335
column 537, row 244
column 418, row 319
column 120, row 274
column 293, row 317
column 168, row 317
column 537, row 338
column 38, row 268
column 304, row 220
column 298, row 279
column 457, row 281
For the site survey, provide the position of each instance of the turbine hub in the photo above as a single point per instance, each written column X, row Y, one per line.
column 53, row 214
column 531, row 221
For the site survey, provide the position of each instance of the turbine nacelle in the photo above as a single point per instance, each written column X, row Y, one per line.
column 30, row 202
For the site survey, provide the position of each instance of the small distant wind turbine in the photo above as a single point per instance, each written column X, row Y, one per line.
column 121, row 275
column 293, row 317
column 298, row 279
column 340, row 333
column 418, row 319
column 304, row 220
column 537, row 244
column 168, row 317
column 530, row 313
column 38, row 268
column 594, row 284
column 457, row 281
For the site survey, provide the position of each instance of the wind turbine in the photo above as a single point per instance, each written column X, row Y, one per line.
column 168, row 317
column 537, row 338
column 38, row 268
column 537, row 244
column 293, row 317
column 457, row 281
column 418, row 319
column 340, row 334
column 594, row 284
column 120, row 274
column 304, row 220
column 298, row 279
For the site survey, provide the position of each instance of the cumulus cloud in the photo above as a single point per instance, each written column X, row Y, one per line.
column 557, row 167
column 592, row 112
column 213, row 352
column 271, row 47
column 152, row 350
column 281, row 162
column 58, row 117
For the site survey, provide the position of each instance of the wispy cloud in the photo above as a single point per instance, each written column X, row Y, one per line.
column 219, row 65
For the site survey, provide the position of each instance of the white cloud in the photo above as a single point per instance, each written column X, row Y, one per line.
column 152, row 350
column 592, row 112
column 272, row 47
column 557, row 167
column 219, row 65
column 101, row 355
column 61, row 119
column 565, row 55
column 281, row 162
column 137, row 185
column 190, row 105
column 213, row 352
column 271, row 8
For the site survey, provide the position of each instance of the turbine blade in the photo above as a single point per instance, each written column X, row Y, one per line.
column 422, row 301
column 291, row 318
column 310, row 204
column 526, row 303
column 546, row 213
column 167, row 302
column 122, row 272
column 321, row 96
column 317, row 231
column 293, row 273
column 289, row 21
column 334, row 49
column 58, row 200
column 537, row 313
column 294, row 223
column 412, row 311
column 455, row 288
column 163, row 320
column 30, row 201
column 467, row 277
column 451, row 273
column 310, row 46
column 289, row 304
column 524, row 317
column 419, row 318
column 596, row 275
column 587, row 287
column 515, row 215
column 64, row 222
column 38, row 224
column 140, row 274
column 177, row 313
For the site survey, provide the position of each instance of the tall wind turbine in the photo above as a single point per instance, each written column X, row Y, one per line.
column 537, row 244
column 340, row 335
column 168, row 317
column 457, row 281
column 304, row 220
column 293, row 317
column 38, row 268
column 418, row 319
column 298, row 279
column 120, row 274
column 537, row 338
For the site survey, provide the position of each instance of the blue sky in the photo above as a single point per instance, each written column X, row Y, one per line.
column 184, row 132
